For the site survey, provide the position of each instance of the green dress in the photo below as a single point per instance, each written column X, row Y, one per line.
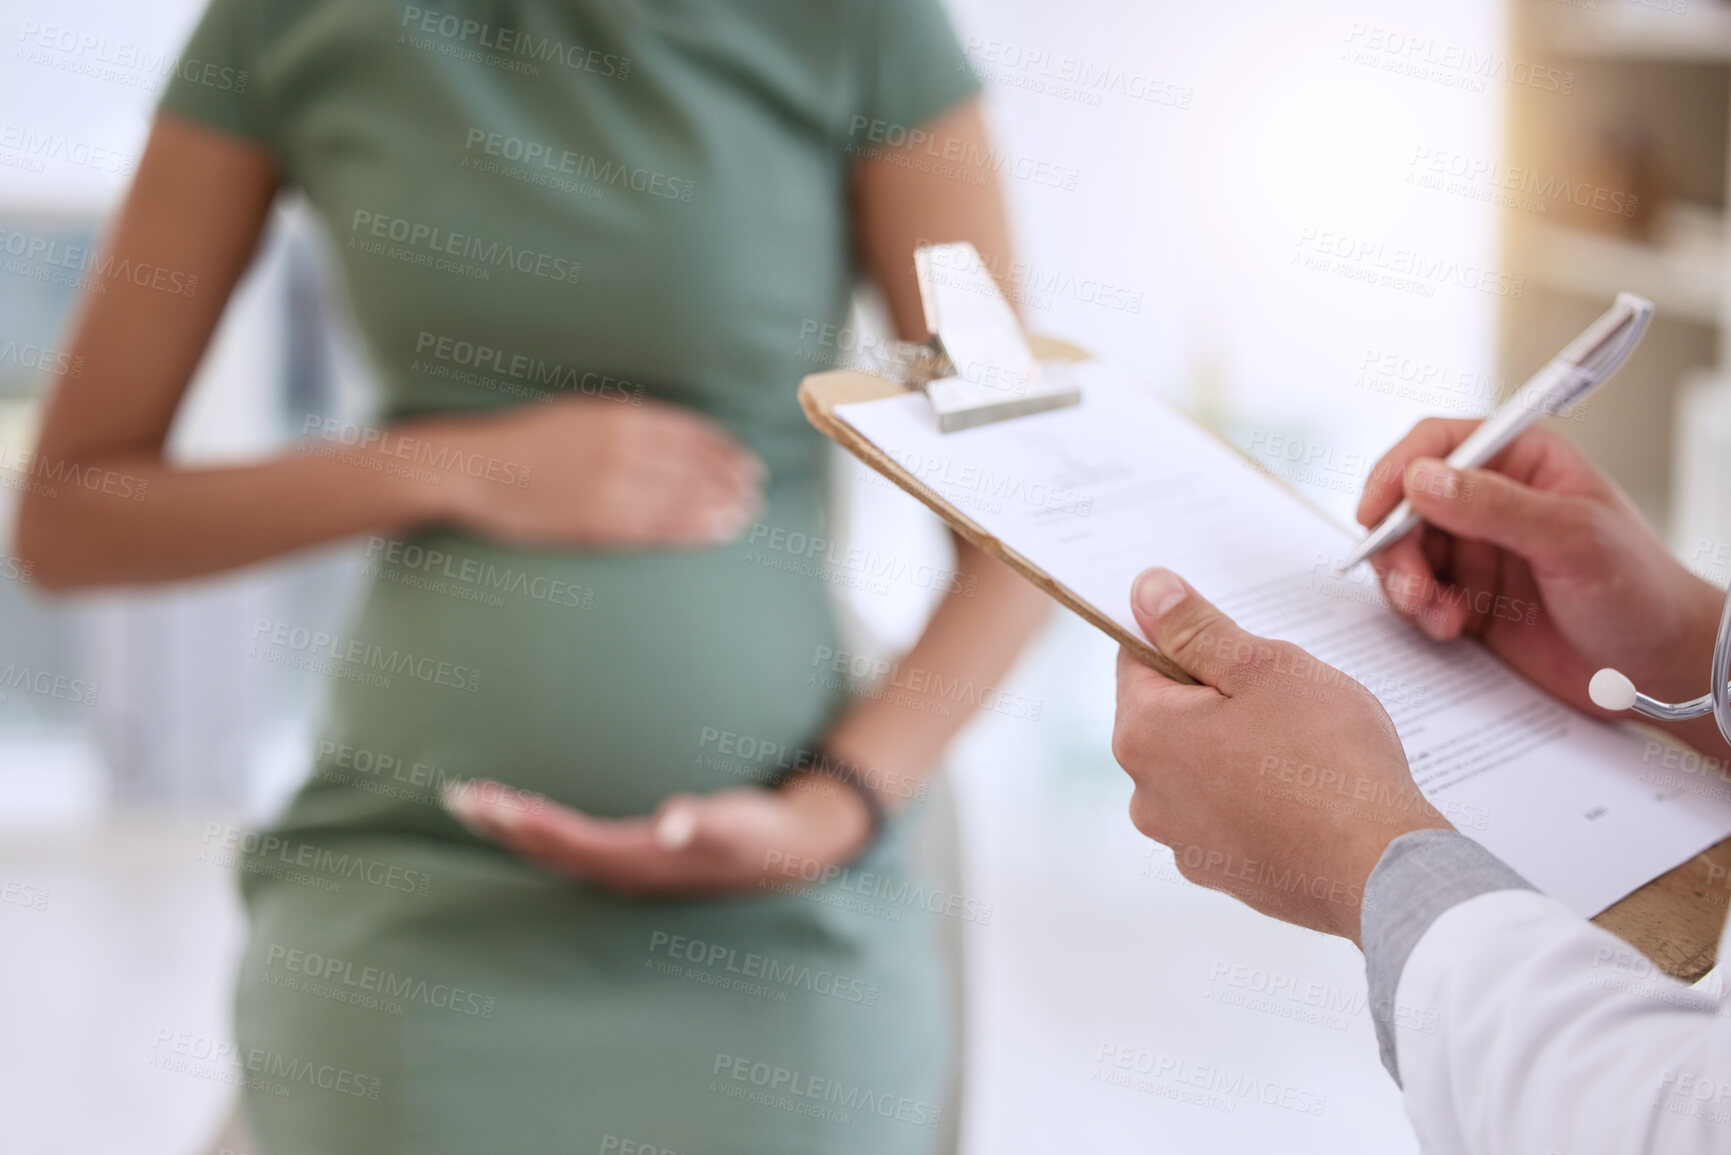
column 626, row 199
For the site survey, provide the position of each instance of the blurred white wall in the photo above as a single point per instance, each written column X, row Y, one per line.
column 1301, row 121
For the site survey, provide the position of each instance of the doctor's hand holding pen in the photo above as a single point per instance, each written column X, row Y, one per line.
column 1542, row 529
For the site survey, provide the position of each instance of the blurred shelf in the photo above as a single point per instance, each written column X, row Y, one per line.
column 1626, row 31
column 1685, row 283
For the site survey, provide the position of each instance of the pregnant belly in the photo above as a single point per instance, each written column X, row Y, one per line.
column 605, row 682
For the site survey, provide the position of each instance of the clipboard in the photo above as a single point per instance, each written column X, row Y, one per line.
column 820, row 393
column 1674, row 920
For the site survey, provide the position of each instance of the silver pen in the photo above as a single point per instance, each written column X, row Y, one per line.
column 1586, row 363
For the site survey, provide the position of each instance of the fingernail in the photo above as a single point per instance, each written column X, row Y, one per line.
column 1436, row 478
column 1157, row 591
column 480, row 814
column 723, row 525
column 676, row 828
column 1431, row 622
column 459, row 802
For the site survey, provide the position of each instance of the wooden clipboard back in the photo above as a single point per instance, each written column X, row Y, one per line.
column 1674, row 919
column 820, row 393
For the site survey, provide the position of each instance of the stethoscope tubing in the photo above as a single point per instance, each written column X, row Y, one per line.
column 1721, row 695
column 1716, row 701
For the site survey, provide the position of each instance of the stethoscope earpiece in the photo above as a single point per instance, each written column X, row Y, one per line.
column 1611, row 690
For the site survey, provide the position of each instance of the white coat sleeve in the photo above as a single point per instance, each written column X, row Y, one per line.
column 1517, row 1028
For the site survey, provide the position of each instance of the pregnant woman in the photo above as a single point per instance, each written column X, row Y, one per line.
column 652, row 212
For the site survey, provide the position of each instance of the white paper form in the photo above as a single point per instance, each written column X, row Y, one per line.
column 1096, row 493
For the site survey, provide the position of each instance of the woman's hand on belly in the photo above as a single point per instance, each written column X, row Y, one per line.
column 731, row 842
column 581, row 471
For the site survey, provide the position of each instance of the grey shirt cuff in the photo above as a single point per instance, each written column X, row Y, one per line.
column 1421, row 874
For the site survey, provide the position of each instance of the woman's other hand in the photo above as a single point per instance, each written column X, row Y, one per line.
column 598, row 474
column 732, row 842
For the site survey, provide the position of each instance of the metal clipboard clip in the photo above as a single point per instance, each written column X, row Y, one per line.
column 977, row 368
